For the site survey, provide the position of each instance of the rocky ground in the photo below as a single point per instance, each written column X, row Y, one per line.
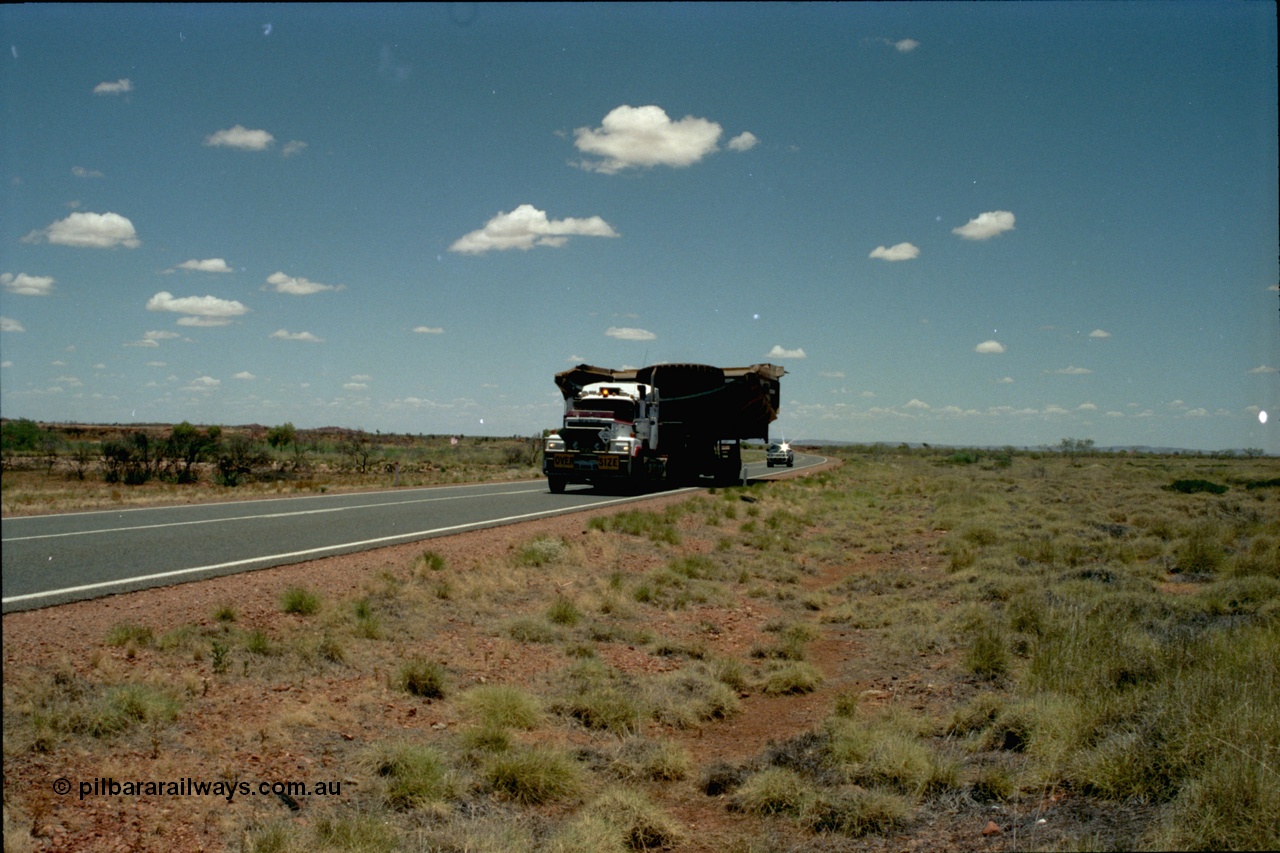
column 292, row 725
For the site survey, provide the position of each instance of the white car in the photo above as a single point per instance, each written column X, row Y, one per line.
column 779, row 453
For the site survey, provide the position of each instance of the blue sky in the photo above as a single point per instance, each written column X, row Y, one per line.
column 952, row 223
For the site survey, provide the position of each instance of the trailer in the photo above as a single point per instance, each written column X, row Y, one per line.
column 663, row 424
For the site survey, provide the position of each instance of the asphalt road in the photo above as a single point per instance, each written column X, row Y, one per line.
column 54, row 559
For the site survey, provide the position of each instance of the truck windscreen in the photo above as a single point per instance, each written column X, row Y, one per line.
column 618, row 408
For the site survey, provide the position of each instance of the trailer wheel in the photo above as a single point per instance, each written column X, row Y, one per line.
column 556, row 484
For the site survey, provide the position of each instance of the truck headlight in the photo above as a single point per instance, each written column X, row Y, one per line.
column 620, row 445
column 554, row 444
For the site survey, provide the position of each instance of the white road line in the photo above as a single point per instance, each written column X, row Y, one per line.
column 310, row 552
column 260, row 516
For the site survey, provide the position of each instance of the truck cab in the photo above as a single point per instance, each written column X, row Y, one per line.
column 608, row 427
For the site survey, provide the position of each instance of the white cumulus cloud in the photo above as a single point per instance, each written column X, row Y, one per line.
column 297, row 286
column 630, row 137
column 990, row 348
column 240, row 137
column 906, row 45
column 245, row 375
column 119, row 87
column 1073, row 371
column 1100, row 334
column 984, row 226
column 429, row 330
column 1262, row 368
column 526, row 227
column 90, row 231
column 623, row 333
column 286, row 335
column 199, row 310
column 779, row 351
column 293, row 146
column 206, row 265
column 27, row 285
column 744, row 141
column 8, row 324
column 899, row 252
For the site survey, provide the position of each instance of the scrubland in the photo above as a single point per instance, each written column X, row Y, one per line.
column 63, row 468
column 909, row 650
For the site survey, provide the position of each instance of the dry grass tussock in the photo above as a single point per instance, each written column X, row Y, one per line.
column 889, row 653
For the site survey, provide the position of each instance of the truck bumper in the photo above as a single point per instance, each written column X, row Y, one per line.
column 587, row 467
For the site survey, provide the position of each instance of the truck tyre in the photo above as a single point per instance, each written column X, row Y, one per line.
column 556, row 484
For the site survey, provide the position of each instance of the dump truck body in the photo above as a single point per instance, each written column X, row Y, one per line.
column 663, row 423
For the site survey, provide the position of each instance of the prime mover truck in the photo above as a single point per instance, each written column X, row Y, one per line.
column 662, row 424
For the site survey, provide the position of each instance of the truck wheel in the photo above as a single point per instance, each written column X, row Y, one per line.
column 556, row 484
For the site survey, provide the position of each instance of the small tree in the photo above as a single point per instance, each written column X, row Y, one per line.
column 133, row 459
column 50, row 445
column 82, row 456
column 1075, row 447
column 280, row 437
column 357, row 450
column 186, row 447
column 238, row 459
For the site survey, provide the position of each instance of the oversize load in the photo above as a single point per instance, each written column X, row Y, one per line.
column 717, row 402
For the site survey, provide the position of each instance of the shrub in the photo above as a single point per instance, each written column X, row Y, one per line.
column 423, row 678
column 988, row 655
column 542, row 551
column 564, row 612
column 639, row 758
column 124, row 633
column 857, row 812
column 774, row 790
column 530, row 629
column 501, row 705
column 686, row 698
column 1190, row 487
column 116, row 710
column 533, row 776
column 299, row 601
column 258, row 642
column 639, row 823
column 330, row 649
column 415, row 775
column 604, row 707
column 791, row 677
column 429, row 561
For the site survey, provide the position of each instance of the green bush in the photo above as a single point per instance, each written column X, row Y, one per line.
column 502, row 705
column 423, row 678
column 414, row 775
column 533, row 776
column 299, row 601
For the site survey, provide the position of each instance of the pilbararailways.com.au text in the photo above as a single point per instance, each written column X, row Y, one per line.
column 105, row 786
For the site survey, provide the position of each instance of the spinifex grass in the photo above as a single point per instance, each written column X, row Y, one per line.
column 975, row 633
